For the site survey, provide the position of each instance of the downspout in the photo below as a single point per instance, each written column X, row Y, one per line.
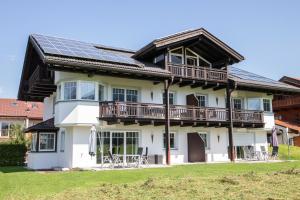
column 229, row 91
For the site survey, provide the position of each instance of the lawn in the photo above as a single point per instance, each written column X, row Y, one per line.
column 199, row 181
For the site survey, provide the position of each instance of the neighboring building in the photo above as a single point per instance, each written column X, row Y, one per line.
column 24, row 113
column 287, row 114
column 125, row 94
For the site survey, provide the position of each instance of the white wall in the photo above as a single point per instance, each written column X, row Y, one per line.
column 48, row 107
column 42, row 160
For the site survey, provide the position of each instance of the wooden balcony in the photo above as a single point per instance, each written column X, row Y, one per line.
column 147, row 114
column 292, row 102
column 41, row 83
column 198, row 73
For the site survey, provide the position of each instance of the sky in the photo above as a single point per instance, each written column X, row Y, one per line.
column 266, row 33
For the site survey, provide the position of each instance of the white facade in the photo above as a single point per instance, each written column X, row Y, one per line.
column 75, row 118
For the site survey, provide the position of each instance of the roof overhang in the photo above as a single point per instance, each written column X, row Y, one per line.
column 185, row 36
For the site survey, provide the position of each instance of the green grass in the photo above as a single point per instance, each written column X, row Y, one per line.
column 294, row 152
column 220, row 181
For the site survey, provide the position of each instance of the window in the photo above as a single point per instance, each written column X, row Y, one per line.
column 5, row 129
column 201, row 100
column 171, row 98
column 62, row 140
column 101, row 93
column 59, row 92
column 47, row 142
column 131, row 95
column 237, row 104
column 267, row 105
column 132, row 142
column 191, row 58
column 172, row 140
column 176, row 56
column 33, row 142
column 70, row 90
column 254, row 104
column 118, row 94
column 205, row 138
column 87, row 90
column 125, row 95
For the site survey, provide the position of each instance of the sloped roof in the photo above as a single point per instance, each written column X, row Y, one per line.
column 249, row 79
column 189, row 34
column 55, row 50
column 47, row 125
column 16, row 108
column 294, row 127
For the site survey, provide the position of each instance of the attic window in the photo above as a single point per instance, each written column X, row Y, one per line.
column 14, row 104
column 176, row 56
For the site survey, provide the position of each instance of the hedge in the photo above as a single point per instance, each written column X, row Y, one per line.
column 12, row 154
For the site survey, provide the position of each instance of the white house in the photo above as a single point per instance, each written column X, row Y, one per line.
column 122, row 93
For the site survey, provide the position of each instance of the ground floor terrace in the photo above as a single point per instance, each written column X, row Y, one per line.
column 69, row 146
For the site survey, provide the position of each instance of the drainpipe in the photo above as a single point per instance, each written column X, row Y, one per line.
column 229, row 91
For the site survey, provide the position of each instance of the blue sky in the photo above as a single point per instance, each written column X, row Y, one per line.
column 266, row 32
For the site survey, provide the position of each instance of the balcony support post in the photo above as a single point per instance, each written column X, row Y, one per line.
column 229, row 89
column 167, row 122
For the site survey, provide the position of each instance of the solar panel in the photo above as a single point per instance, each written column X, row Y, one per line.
column 72, row 48
column 245, row 75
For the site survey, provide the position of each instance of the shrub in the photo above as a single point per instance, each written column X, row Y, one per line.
column 12, row 154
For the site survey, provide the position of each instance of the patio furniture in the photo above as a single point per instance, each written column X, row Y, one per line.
column 253, row 153
column 249, row 153
column 145, row 158
column 263, row 153
column 137, row 158
column 113, row 160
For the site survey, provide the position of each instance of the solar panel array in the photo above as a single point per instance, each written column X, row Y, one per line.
column 72, row 48
column 245, row 75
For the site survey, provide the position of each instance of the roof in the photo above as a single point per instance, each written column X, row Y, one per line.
column 287, row 125
column 164, row 41
column 47, row 125
column 55, row 50
column 16, row 108
column 291, row 81
column 249, row 79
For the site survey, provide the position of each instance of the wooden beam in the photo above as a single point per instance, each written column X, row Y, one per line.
column 187, row 83
column 126, row 123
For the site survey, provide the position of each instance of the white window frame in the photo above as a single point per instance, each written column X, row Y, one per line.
column 238, row 98
column 79, row 90
column 175, row 140
column 76, row 96
column 170, row 92
column 270, row 102
column 62, row 140
column 196, row 56
column 207, row 138
column 47, row 150
column 8, row 130
column 177, row 54
column 206, row 99
column 125, row 92
column 97, row 92
column 33, row 142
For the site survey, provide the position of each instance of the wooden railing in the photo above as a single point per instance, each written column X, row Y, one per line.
column 198, row 73
column 248, row 116
column 291, row 101
column 113, row 109
column 35, row 76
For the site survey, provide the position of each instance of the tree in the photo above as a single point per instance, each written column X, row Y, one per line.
column 16, row 134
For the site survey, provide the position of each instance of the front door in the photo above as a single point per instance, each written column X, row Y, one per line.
column 196, row 148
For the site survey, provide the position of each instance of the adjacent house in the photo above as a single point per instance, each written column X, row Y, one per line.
column 178, row 96
column 13, row 111
column 287, row 114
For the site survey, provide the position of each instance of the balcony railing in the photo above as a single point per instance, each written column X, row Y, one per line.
column 113, row 109
column 197, row 73
column 291, row 101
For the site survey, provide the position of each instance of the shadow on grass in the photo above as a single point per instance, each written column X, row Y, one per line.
column 12, row 169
